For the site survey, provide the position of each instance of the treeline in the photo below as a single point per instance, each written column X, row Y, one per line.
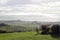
column 5, row 28
column 45, row 29
column 3, row 24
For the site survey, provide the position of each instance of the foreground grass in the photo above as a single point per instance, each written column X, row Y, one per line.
column 25, row 36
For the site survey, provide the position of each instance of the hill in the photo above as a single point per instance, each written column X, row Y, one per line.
column 18, row 25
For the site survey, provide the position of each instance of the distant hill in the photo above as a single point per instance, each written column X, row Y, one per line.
column 2, row 24
column 18, row 25
column 27, row 23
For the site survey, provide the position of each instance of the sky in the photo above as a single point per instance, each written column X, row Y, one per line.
column 30, row 10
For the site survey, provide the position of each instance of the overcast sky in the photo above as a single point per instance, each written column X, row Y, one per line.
column 30, row 10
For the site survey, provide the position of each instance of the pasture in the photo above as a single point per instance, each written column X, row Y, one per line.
column 25, row 36
column 27, row 32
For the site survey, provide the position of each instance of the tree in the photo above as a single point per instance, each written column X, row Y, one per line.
column 45, row 29
column 55, row 29
column 37, row 30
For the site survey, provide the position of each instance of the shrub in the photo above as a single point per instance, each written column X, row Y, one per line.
column 37, row 30
column 55, row 29
column 2, row 31
column 45, row 29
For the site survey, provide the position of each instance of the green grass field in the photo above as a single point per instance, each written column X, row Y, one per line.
column 25, row 36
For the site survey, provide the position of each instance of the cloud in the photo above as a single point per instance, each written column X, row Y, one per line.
column 49, row 9
column 53, row 7
column 25, row 8
column 44, row 1
column 18, row 2
column 3, row 1
column 27, row 18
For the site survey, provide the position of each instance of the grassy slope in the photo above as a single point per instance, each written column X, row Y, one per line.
column 25, row 36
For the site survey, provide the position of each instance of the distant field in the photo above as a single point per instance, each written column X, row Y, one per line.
column 25, row 36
